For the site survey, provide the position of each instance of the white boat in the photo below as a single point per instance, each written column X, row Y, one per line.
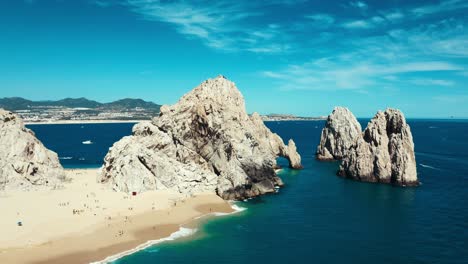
column 87, row 142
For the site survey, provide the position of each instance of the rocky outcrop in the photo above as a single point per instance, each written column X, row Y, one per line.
column 339, row 134
column 25, row 163
column 384, row 153
column 204, row 143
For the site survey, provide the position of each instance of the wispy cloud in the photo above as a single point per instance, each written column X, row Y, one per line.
column 102, row 3
column 443, row 6
column 432, row 82
column 359, row 4
column 321, row 20
column 220, row 25
column 372, row 22
column 357, row 24
column 336, row 74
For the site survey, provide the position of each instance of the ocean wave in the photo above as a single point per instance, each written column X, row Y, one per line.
column 182, row 232
column 65, row 158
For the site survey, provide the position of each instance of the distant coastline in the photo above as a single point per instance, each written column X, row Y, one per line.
column 66, row 122
column 283, row 117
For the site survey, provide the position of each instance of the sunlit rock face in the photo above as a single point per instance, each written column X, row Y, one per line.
column 204, row 143
column 25, row 164
column 384, row 153
column 339, row 134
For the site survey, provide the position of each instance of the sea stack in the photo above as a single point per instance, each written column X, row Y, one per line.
column 25, row 164
column 204, row 143
column 384, row 153
column 339, row 134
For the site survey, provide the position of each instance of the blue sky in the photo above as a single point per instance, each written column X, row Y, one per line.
column 286, row 56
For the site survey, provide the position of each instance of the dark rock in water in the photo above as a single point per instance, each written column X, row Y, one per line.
column 339, row 134
column 384, row 153
column 204, row 143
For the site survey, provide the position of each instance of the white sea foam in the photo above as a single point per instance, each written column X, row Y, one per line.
column 65, row 158
column 236, row 208
column 427, row 166
column 182, row 232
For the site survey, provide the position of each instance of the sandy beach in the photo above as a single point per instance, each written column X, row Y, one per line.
column 85, row 222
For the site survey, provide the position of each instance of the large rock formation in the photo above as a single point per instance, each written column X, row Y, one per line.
column 338, row 135
column 204, row 143
column 24, row 161
column 385, row 152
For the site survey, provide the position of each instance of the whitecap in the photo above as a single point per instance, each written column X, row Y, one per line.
column 65, row 158
column 87, row 142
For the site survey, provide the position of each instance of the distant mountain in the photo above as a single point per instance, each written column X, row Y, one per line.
column 129, row 103
column 72, row 103
column 15, row 103
column 18, row 103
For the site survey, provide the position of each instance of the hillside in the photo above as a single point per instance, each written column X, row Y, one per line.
column 18, row 103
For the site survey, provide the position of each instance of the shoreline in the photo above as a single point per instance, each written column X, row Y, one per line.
column 79, row 122
column 182, row 232
column 84, row 122
column 118, row 224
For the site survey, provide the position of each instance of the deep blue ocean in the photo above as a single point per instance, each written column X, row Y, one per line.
column 318, row 217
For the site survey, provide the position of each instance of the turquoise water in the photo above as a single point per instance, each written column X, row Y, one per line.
column 320, row 218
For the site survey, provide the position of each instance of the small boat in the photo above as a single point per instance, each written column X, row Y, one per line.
column 87, row 142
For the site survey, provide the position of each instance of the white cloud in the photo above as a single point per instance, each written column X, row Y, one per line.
column 372, row 22
column 432, row 82
column 359, row 4
column 443, row 6
column 357, row 24
column 394, row 15
column 102, row 3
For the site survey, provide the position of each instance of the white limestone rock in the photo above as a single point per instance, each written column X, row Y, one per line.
column 25, row 164
column 339, row 134
column 205, row 142
column 385, row 152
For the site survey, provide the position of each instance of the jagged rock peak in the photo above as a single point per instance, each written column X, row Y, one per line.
column 338, row 135
column 204, row 143
column 385, row 152
column 25, row 164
